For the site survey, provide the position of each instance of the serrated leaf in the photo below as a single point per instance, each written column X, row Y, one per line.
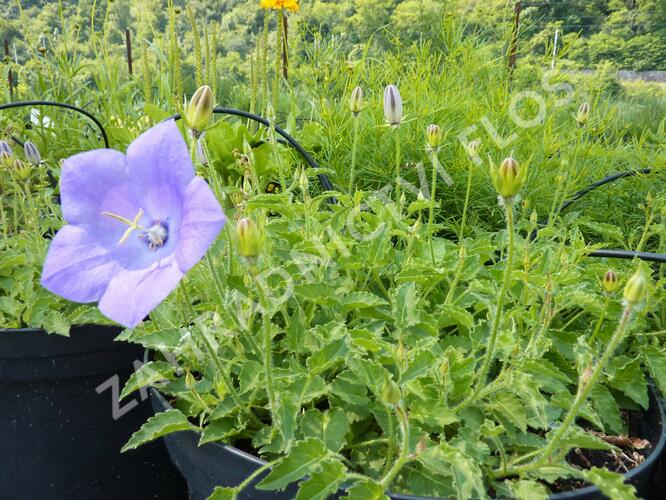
column 220, row 493
column 509, row 406
column 148, row 374
column 366, row 489
column 529, row 490
column 331, row 427
column 303, row 459
column 656, row 363
column 611, row 484
column 159, row 425
column 607, row 408
column 422, row 363
column 360, row 300
column 449, row 460
column 218, row 430
column 325, row 357
column 630, row 380
column 404, row 307
column 323, row 482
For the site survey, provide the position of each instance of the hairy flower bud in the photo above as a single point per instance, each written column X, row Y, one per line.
column 636, row 288
column 434, row 136
column 508, row 178
column 610, row 283
column 583, row 113
column 392, row 105
column 250, row 240
column 200, row 109
column 6, row 148
column 356, row 102
column 32, row 153
column 473, row 147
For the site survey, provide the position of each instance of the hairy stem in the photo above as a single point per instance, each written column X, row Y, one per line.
column 352, row 172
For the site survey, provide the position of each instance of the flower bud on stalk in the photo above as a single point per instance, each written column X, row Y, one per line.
column 32, row 153
column 356, row 102
column 473, row 147
column 250, row 239
column 392, row 105
column 610, row 283
column 434, row 136
column 6, row 148
column 583, row 113
column 635, row 289
column 200, row 109
column 508, row 178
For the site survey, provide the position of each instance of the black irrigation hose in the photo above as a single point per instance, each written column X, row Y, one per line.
column 324, row 181
column 20, row 104
column 609, row 253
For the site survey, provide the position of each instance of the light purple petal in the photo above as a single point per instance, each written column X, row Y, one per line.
column 77, row 268
column 93, row 182
column 159, row 167
column 202, row 221
column 131, row 295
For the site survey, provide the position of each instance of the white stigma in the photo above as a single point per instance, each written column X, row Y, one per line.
column 156, row 235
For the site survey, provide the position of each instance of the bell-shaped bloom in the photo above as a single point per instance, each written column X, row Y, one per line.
column 136, row 224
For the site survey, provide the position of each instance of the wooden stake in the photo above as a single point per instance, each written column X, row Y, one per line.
column 10, row 75
column 513, row 48
column 128, row 45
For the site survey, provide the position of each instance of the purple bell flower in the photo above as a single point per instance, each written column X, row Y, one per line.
column 136, row 224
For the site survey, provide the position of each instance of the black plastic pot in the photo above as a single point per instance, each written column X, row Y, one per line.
column 58, row 436
column 214, row 464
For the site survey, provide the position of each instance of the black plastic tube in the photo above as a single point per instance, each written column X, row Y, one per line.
column 324, row 181
column 21, row 104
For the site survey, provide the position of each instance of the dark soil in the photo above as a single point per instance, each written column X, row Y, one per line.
column 641, row 439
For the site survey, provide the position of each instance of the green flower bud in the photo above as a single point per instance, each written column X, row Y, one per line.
column 200, row 109
column 250, row 239
column 356, row 102
column 508, row 178
column 473, row 147
column 434, row 136
column 21, row 169
column 583, row 113
column 636, row 288
column 391, row 394
column 610, row 283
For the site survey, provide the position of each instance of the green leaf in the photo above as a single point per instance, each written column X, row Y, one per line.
column 605, row 405
column 630, row 380
column 159, row 425
column 611, row 484
column 404, row 307
column 218, row 430
column 511, row 408
column 322, row 483
column 578, row 438
column 656, row 363
column 448, row 460
column 220, row 493
column 419, row 366
column 148, row 374
column 330, row 427
column 529, row 490
column 366, row 489
column 323, row 358
column 360, row 300
column 303, row 459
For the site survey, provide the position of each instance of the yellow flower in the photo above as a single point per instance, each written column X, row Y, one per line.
column 290, row 5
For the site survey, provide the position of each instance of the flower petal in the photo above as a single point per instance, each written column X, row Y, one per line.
column 202, row 221
column 160, row 167
column 93, row 182
column 131, row 295
column 77, row 268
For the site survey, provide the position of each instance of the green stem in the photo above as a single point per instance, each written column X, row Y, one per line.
column 433, row 197
column 268, row 351
column 251, row 478
column 278, row 61
column 581, row 396
column 404, row 457
column 456, row 277
column 490, row 350
column 463, row 220
column 600, row 321
column 397, row 166
column 352, row 173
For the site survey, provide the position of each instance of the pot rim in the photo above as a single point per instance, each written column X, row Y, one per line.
column 648, row 463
